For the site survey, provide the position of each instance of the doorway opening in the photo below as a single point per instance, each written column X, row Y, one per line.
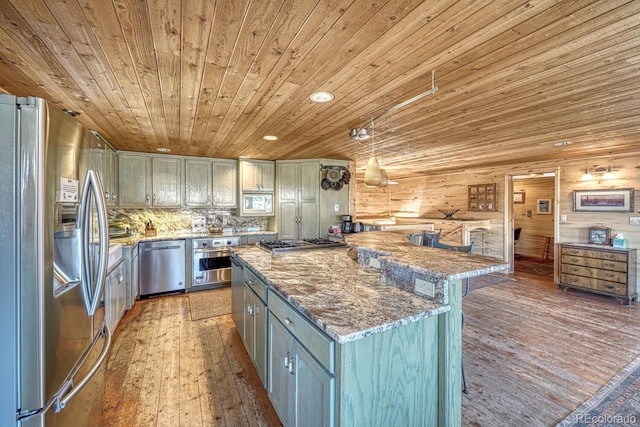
column 531, row 223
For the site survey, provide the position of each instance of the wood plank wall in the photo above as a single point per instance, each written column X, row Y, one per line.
column 422, row 197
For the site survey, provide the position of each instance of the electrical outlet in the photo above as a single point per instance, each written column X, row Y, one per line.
column 336, row 208
column 563, row 219
column 634, row 220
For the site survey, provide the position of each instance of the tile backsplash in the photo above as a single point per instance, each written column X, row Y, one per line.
column 180, row 220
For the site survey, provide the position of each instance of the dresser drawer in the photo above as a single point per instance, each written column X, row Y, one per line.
column 604, row 255
column 593, row 283
column 319, row 345
column 596, row 273
column 595, row 262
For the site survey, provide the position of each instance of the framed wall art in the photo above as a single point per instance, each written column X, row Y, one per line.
column 482, row 198
column 518, row 198
column 615, row 200
column 544, row 206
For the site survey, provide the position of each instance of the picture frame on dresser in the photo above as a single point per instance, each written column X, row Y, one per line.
column 613, row 200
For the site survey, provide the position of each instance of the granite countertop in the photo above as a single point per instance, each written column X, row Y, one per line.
column 395, row 248
column 346, row 300
column 134, row 240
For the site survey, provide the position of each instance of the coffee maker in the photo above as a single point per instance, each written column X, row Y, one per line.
column 347, row 224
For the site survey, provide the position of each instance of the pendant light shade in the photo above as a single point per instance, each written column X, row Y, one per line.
column 384, row 178
column 372, row 174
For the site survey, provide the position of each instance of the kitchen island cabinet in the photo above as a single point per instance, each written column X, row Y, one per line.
column 391, row 353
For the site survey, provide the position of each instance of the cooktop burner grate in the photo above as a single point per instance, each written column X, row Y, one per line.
column 292, row 245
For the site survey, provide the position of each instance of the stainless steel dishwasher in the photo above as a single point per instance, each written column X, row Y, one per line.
column 162, row 267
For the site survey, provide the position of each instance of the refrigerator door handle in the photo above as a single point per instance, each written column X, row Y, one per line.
column 92, row 184
column 68, row 390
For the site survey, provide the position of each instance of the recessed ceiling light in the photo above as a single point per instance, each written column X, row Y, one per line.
column 270, row 137
column 163, row 150
column 321, row 97
column 563, row 143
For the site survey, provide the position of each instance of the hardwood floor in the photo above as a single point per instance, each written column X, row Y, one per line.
column 166, row 370
column 532, row 355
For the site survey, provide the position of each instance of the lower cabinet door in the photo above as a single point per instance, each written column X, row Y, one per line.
column 280, row 380
column 249, row 324
column 237, row 295
column 315, row 391
column 260, row 339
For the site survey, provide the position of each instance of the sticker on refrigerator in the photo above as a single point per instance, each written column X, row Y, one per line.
column 68, row 191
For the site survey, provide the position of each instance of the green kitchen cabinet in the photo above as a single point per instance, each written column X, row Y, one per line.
column 166, row 181
column 225, row 183
column 250, row 319
column 301, row 389
column 210, row 183
column 134, row 179
column 237, row 295
column 146, row 180
column 256, row 175
column 298, row 192
column 197, row 183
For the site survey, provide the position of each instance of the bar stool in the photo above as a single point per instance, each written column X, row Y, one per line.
column 548, row 240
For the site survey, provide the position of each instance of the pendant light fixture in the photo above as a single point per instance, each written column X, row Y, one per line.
column 372, row 174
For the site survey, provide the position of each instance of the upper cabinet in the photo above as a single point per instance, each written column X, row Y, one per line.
column 197, row 182
column 257, row 175
column 166, row 181
column 134, row 179
column 110, row 183
column 148, row 180
column 211, row 183
column 225, row 183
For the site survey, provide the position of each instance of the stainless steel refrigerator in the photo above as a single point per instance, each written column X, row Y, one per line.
column 53, row 262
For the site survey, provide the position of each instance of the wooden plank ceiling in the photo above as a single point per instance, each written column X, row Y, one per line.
column 211, row 78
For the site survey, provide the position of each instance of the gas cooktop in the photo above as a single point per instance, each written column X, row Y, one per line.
column 278, row 246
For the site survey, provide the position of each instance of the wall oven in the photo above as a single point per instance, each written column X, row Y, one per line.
column 212, row 262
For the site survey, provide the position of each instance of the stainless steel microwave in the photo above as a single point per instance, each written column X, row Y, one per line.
column 256, row 204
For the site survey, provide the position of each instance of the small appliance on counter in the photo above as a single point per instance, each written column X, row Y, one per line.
column 199, row 224
column 347, row 222
column 348, row 226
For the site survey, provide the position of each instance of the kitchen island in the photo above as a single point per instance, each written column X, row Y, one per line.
column 369, row 334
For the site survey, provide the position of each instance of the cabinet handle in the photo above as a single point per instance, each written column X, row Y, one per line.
column 120, row 278
column 115, row 196
column 106, row 196
column 610, row 275
column 147, row 197
column 575, row 259
column 154, row 197
column 608, row 286
column 609, row 264
column 286, row 360
column 289, row 322
column 250, row 310
column 292, row 361
column 574, row 269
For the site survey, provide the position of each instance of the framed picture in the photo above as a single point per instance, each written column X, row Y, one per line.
column 482, row 197
column 518, row 198
column 544, row 206
column 616, row 200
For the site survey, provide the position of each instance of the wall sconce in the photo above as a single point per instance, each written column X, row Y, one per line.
column 605, row 173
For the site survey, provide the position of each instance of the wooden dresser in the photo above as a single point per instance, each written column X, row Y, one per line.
column 601, row 269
